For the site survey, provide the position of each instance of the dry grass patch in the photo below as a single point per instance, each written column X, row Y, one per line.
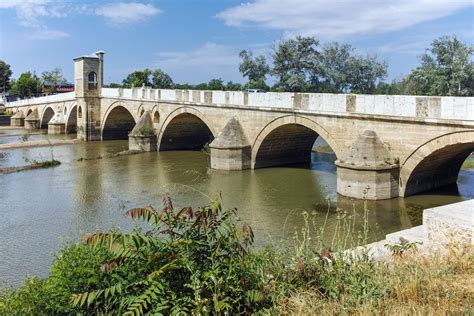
column 412, row 284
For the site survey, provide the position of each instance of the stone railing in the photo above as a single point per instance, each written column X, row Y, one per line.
column 457, row 108
column 68, row 96
column 451, row 108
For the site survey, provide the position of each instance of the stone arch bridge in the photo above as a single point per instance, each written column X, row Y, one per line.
column 415, row 144
column 386, row 146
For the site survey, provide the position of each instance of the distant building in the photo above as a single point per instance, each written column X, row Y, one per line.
column 53, row 89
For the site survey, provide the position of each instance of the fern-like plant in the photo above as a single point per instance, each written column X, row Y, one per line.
column 189, row 261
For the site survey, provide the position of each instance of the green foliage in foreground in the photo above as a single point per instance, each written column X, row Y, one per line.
column 202, row 262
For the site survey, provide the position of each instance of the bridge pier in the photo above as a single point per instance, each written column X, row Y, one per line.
column 18, row 119
column 368, row 170
column 32, row 121
column 143, row 137
column 231, row 148
column 57, row 125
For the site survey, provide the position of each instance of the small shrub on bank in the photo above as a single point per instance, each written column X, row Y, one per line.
column 146, row 131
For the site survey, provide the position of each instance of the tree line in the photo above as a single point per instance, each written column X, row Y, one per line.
column 29, row 84
column 303, row 64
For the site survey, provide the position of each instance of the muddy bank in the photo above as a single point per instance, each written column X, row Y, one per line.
column 19, row 135
column 40, row 143
column 34, row 165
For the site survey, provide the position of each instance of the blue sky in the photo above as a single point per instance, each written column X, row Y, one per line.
column 195, row 41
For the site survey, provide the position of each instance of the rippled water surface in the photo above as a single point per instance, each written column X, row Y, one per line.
column 40, row 210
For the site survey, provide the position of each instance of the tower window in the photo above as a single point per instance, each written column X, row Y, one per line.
column 92, row 80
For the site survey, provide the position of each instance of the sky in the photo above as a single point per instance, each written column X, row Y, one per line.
column 195, row 41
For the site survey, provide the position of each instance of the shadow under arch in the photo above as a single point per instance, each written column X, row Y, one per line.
column 436, row 163
column 288, row 140
column 118, row 122
column 71, row 121
column 47, row 115
column 185, row 129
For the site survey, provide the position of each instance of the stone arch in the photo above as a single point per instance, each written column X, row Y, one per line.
column 185, row 129
column 117, row 122
column 287, row 140
column 71, row 119
column 140, row 111
column 435, row 163
column 156, row 117
column 46, row 116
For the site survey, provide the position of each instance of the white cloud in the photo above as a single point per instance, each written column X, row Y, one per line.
column 333, row 19
column 48, row 34
column 121, row 13
column 29, row 12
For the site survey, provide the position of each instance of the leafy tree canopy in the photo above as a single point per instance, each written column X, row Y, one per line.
column 5, row 74
column 27, row 85
column 53, row 78
column 253, row 68
column 446, row 68
column 137, row 79
column 161, row 80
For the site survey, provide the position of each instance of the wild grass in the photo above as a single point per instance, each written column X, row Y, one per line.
column 323, row 149
column 410, row 284
column 468, row 163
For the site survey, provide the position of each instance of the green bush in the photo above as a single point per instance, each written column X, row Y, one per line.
column 76, row 268
column 146, row 131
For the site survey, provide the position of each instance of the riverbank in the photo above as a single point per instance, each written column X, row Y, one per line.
column 19, row 135
column 201, row 261
column 39, row 143
column 34, row 165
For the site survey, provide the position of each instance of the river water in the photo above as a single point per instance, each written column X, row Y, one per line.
column 41, row 210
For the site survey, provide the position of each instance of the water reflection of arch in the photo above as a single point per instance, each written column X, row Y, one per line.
column 288, row 139
column 185, row 129
column 436, row 163
column 118, row 122
column 46, row 116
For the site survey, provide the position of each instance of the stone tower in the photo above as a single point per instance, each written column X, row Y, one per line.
column 88, row 81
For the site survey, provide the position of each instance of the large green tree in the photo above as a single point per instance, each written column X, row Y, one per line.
column 27, row 85
column 446, row 68
column 216, row 84
column 161, row 80
column 53, row 78
column 294, row 60
column 333, row 72
column 365, row 73
column 340, row 70
column 255, row 69
column 5, row 74
column 138, row 78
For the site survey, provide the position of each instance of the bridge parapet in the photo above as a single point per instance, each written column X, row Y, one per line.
column 451, row 108
column 69, row 96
